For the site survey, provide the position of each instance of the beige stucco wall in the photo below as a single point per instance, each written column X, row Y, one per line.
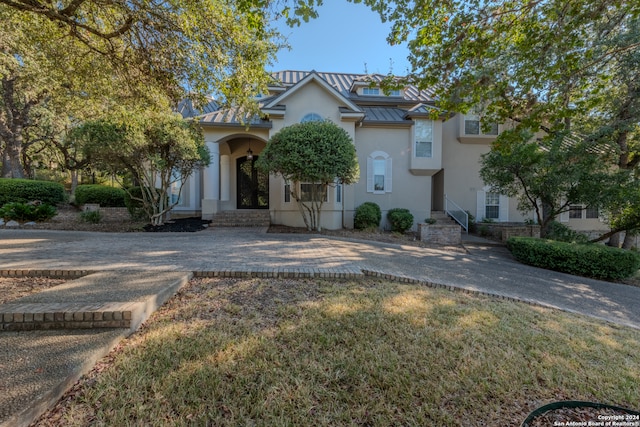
column 408, row 191
column 461, row 164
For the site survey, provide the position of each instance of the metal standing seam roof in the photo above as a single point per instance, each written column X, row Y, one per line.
column 187, row 109
column 342, row 82
column 385, row 114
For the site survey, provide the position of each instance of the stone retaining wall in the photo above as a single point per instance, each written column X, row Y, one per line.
column 441, row 234
column 504, row 231
column 108, row 214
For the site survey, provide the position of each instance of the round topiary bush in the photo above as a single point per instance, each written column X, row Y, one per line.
column 27, row 190
column 401, row 219
column 107, row 197
column 367, row 215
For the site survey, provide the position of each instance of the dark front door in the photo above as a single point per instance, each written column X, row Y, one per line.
column 253, row 185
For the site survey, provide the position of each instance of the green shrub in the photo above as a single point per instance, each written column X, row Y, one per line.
column 590, row 260
column 107, row 197
column 367, row 215
column 92, row 217
column 401, row 219
column 17, row 211
column 561, row 233
column 26, row 190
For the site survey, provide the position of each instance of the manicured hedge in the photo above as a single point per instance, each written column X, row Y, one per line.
column 105, row 196
column 401, row 219
column 26, row 190
column 367, row 215
column 590, row 260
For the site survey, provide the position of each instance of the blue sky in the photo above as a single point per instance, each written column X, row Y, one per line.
column 343, row 38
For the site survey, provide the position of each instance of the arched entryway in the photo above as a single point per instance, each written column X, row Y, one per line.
column 252, row 185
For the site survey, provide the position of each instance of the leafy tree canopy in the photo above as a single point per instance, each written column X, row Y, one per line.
column 205, row 46
column 158, row 149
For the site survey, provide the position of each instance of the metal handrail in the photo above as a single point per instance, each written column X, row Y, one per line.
column 457, row 213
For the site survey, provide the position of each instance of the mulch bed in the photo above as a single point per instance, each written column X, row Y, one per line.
column 180, row 225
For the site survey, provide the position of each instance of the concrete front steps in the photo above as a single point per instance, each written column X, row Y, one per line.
column 100, row 300
column 441, row 217
column 242, row 218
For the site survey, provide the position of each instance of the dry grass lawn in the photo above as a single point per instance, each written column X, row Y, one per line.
column 266, row 352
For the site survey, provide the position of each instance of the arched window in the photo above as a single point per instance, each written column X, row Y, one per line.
column 312, row 117
column 379, row 173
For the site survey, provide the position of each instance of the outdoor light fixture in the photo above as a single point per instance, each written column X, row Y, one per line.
column 249, row 154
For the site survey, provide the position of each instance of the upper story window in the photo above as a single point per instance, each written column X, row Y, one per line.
column 311, row 117
column 395, row 92
column 473, row 125
column 424, row 138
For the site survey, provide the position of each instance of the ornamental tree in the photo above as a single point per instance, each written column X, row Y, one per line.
column 158, row 150
column 547, row 176
column 319, row 153
column 555, row 66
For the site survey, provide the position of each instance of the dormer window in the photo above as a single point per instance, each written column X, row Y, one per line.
column 375, row 91
column 369, row 91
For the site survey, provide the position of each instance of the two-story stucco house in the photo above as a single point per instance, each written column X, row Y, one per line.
column 407, row 159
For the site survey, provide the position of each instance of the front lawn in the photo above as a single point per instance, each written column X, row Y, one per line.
column 270, row 352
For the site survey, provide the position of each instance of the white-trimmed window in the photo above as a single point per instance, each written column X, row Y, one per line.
column 371, row 91
column 394, row 92
column 473, row 125
column 312, row 117
column 582, row 212
column 424, row 138
column 492, row 206
column 379, row 177
column 592, row 213
column 575, row 212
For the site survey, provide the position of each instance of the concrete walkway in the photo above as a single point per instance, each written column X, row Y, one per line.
column 27, row 357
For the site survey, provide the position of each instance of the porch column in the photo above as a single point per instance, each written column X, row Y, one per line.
column 224, row 178
column 211, row 182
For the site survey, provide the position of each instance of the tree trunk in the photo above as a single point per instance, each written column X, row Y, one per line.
column 614, row 240
column 11, row 166
column 74, row 182
column 629, row 240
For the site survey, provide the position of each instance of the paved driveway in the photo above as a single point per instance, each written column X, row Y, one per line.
column 483, row 269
